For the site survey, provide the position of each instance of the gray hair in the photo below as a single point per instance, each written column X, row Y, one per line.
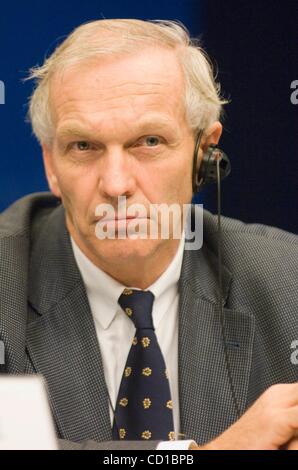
column 116, row 37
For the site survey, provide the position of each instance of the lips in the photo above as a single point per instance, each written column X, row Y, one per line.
column 122, row 225
column 116, row 219
column 123, row 218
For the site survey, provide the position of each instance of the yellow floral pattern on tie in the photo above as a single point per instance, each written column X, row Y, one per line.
column 123, row 402
column 127, row 292
column 127, row 371
column 146, row 403
column 145, row 342
column 146, row 435
column 147, row 371
column 128, row 311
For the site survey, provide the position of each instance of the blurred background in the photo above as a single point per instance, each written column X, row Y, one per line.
column 254, row 46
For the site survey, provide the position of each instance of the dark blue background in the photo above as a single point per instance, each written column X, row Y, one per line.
column 255, row 46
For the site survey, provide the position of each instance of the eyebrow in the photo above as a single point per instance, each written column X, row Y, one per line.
column 76, row 130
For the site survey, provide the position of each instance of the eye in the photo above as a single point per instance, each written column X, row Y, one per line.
column 152, row 140
column 82, row 145
column 149, row 141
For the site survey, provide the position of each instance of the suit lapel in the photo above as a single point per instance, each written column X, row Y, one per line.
column 206, row 404
column 61, row 337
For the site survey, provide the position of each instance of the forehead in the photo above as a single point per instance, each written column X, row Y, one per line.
column 132, row 85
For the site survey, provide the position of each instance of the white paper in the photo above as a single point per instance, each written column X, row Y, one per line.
column 25, row 418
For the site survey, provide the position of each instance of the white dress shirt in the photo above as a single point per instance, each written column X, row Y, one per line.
column 115, row 331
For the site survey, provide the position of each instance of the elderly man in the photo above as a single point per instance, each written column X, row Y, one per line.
column 126, row 330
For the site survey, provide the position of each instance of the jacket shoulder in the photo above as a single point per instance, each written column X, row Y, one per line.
column 248, row 232
column 263, row 262
column 258, row 256
column 18, row 218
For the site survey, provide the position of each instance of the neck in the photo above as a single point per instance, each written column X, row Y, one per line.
column 140, row 272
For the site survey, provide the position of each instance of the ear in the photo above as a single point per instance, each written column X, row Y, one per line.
column 47, row 156
column 211, row 136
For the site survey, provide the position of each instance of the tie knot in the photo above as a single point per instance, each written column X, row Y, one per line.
column 137, row 304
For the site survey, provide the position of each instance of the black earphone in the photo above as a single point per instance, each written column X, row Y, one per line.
column 207, row 173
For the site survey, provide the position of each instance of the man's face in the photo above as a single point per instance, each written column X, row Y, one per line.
column 120, row 130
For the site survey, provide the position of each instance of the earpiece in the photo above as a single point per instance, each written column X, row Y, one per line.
column 207, row 172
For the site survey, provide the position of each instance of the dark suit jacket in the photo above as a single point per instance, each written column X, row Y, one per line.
column 47, row 326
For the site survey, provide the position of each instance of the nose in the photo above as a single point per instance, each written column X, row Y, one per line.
column 116, row 176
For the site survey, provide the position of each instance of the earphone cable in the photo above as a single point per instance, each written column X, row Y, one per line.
column 221, row 313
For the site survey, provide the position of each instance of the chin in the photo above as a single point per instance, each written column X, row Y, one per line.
column 127, row 249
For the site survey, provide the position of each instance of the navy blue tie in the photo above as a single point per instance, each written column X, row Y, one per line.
column 144, row 407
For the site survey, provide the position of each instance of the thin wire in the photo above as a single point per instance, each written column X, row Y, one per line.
column 221, row 313
column 114, row 414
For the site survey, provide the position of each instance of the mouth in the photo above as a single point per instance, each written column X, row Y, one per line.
column 120, row 222
column 115, row 219
column 120, row 218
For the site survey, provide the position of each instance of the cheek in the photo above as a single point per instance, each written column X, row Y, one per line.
column 78, row 189
column 171, row 184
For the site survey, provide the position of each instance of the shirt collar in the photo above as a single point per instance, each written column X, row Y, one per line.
column 103, row 291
